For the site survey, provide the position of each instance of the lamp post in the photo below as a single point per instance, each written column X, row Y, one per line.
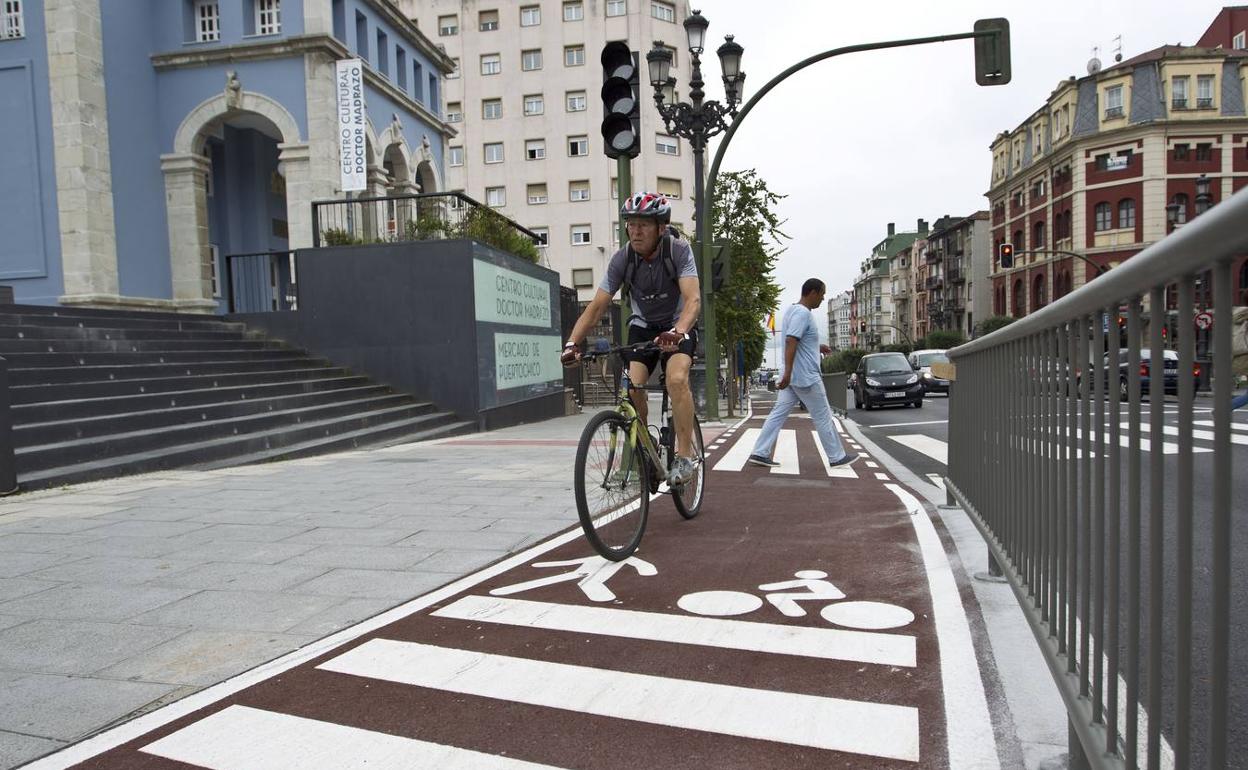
column 698, row 120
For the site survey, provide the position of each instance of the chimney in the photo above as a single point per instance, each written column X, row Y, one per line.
column 892, row 228
column 922, row 226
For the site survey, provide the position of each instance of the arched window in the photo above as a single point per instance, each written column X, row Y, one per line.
column 1126, row 212
column 1019, row 299
column 1037, row 236
column 1103, row 217
column 1018, row 241
column 1038, row 299
column 1181, row 200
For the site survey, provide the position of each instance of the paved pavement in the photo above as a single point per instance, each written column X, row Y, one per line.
column 121, row 596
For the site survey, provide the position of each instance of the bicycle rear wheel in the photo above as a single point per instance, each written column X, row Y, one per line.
column 688, row 496
column 612, row 484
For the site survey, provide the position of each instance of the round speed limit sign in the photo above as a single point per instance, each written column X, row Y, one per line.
column 1204, row 321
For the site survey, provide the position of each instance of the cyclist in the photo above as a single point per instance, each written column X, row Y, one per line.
column 658, row 270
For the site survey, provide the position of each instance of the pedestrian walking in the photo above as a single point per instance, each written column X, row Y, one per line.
column 1239, row 351
column 801, row 382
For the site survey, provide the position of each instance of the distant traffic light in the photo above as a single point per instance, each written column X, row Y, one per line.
column 992, row 52
column 621, row 113
column 721, row 265
column 1005, row 255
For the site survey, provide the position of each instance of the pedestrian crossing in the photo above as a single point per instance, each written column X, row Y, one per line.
column 736, row 458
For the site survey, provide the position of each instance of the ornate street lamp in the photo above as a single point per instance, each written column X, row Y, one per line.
column 1204, row 201
column 697, row 121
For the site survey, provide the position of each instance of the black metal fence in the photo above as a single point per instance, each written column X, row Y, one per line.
column 262, row 282
column 423, row 217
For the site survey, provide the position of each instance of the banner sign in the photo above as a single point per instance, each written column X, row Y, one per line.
column 352, row 147
column 517, row 318
column 526, row 359
column 507, row 297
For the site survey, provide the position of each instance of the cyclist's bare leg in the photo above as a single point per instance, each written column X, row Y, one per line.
column 639, row 374
column 682, row 401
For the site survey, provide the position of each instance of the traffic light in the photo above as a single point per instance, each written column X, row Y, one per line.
column 721, row 265
column 621, row 113
column 1005, row 255
column 992, row 52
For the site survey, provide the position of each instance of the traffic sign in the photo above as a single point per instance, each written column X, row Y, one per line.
column 1204, row 320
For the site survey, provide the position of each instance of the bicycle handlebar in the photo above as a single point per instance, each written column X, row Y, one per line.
column 638, row 347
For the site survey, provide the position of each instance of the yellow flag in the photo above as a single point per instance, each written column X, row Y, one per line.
column 771, row 322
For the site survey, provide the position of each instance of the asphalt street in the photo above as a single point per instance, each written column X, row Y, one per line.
column 919, row 439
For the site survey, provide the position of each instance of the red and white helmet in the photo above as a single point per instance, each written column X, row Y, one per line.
column 649, row 206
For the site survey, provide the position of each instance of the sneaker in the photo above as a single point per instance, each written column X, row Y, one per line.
column 846, row 460
column 681, row 472
column 766, row 462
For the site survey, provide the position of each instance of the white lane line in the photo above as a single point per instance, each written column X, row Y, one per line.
column 827, row 643
column 1235, row 426
column 840, row 471
column 968, row 726
column 871, row 464
column 242, row 737
column 932, row 447
column 900, row 424
column 786, row 453
column 734, row 459
column 836, row 724
column 837, row 422
column 1203, row 435
column 882, row 476
column 937, row 480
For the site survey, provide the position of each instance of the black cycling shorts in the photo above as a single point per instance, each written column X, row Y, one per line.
column 651, row 358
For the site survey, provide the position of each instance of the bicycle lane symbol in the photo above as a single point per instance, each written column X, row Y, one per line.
column 591, row 574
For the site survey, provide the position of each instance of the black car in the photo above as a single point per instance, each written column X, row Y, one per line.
column 886, row 378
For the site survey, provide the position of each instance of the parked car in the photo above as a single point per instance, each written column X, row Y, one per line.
column 922, row 361
column 1170, row 369
column 886, row 378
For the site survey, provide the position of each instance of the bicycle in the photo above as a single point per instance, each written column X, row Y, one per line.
column 620, row 463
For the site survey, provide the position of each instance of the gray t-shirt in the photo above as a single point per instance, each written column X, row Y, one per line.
column 799, row 322
column 656, row 297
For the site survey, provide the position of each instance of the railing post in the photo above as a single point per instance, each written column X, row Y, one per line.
column 316, row 225
column 8, row 461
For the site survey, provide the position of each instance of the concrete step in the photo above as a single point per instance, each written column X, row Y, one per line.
column 66, row 311
column 10, row 332
column 36, row 360
column 10, row 346
column 28, row 315
column 51, row 375
column 31, row 394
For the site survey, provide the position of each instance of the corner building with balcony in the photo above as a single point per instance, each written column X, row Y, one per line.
column 1094, row 170
column 525, row 101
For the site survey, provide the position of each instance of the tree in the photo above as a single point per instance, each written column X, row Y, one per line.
column 744, row 213
column 944, row 339
column 992, row 323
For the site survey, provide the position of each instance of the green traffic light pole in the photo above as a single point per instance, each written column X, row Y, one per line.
column 706, row 223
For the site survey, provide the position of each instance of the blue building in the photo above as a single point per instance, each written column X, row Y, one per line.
column 144, row 141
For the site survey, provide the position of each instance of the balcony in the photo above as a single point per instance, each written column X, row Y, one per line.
column 1204, row 104
column 1113, row 112
column 955, row 274
column 1178, row 104
column 935, row 282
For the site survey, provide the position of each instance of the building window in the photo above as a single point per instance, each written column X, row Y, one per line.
column 576, row 101
column 494, row 152
column 1181, row 151
column 400, row 67
column 1239, row 43
column 1103, row 217
column 574, row 56
column 491, row 109
column 1204, row 92
column 268, row 17
column 1178, row 93
column 531, row 60
column 383, row 54
column 543, row 235
column 578, row 190
column 448, row 25
column 1037, row 189
column 1204, row 152
column 491, row 64
column 1126, row 213
column 663, row 11
column 668, row 187
column 454, row 73
column 535, row 149
column 1037, row 236
column 620, row 8
column 536, row 194
column 496, row 196
column 1113, row 102
column 1180, row 200
column 455, row 156
column 573, row 11
column 12, row 25
column 534, row 104
column 666, row 145
column 454, row 112
column 207, row 20
column 488, row 21
column 580, row 235
column 583, row 278
column 530, row 16
column 578, row 146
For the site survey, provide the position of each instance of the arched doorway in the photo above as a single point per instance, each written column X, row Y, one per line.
column 235, row 158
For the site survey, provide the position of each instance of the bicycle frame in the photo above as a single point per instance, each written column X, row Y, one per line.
column 637, row 432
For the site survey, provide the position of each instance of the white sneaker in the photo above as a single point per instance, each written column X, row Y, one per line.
column 681, row 472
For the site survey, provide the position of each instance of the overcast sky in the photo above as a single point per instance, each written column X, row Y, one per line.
column 870, row 138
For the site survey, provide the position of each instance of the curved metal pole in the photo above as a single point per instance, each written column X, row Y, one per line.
column 1100, row 269
column 708, row 196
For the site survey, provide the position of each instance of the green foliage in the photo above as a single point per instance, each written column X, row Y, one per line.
column 898, row 348
column 844, row 361
column 336, row 236
column 429, row 226
column 744, row 213
column 992, row 323
column 944, row 339
column 493, row 229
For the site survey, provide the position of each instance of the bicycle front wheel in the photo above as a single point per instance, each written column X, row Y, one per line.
column 688, row 496
column 612, row 484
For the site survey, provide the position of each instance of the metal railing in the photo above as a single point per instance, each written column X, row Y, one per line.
column 1099, row 532
column 261, row 282
column 422, row 217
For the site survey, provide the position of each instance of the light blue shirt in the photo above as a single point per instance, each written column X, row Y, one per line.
column 799, row 322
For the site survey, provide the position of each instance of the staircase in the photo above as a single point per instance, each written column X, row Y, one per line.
column 102, row 393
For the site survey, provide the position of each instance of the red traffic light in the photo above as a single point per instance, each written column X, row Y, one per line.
column 1005, row 255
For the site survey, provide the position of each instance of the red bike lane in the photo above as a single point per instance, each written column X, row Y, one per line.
column 794, row 624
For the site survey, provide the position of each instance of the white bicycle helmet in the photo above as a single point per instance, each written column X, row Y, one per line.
column 646, row 205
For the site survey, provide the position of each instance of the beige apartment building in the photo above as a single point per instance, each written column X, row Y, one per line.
column 525, row 102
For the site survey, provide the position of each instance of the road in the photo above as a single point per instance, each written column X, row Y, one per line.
column 918, row 438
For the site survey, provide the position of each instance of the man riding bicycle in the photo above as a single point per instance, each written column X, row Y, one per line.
column 662, row 278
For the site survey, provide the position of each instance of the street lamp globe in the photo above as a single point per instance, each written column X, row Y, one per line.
column 695, row 29
column 668, row 91
column 1203, row 199
column 730, row 65
column 659, row 60
column 1172, row 212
